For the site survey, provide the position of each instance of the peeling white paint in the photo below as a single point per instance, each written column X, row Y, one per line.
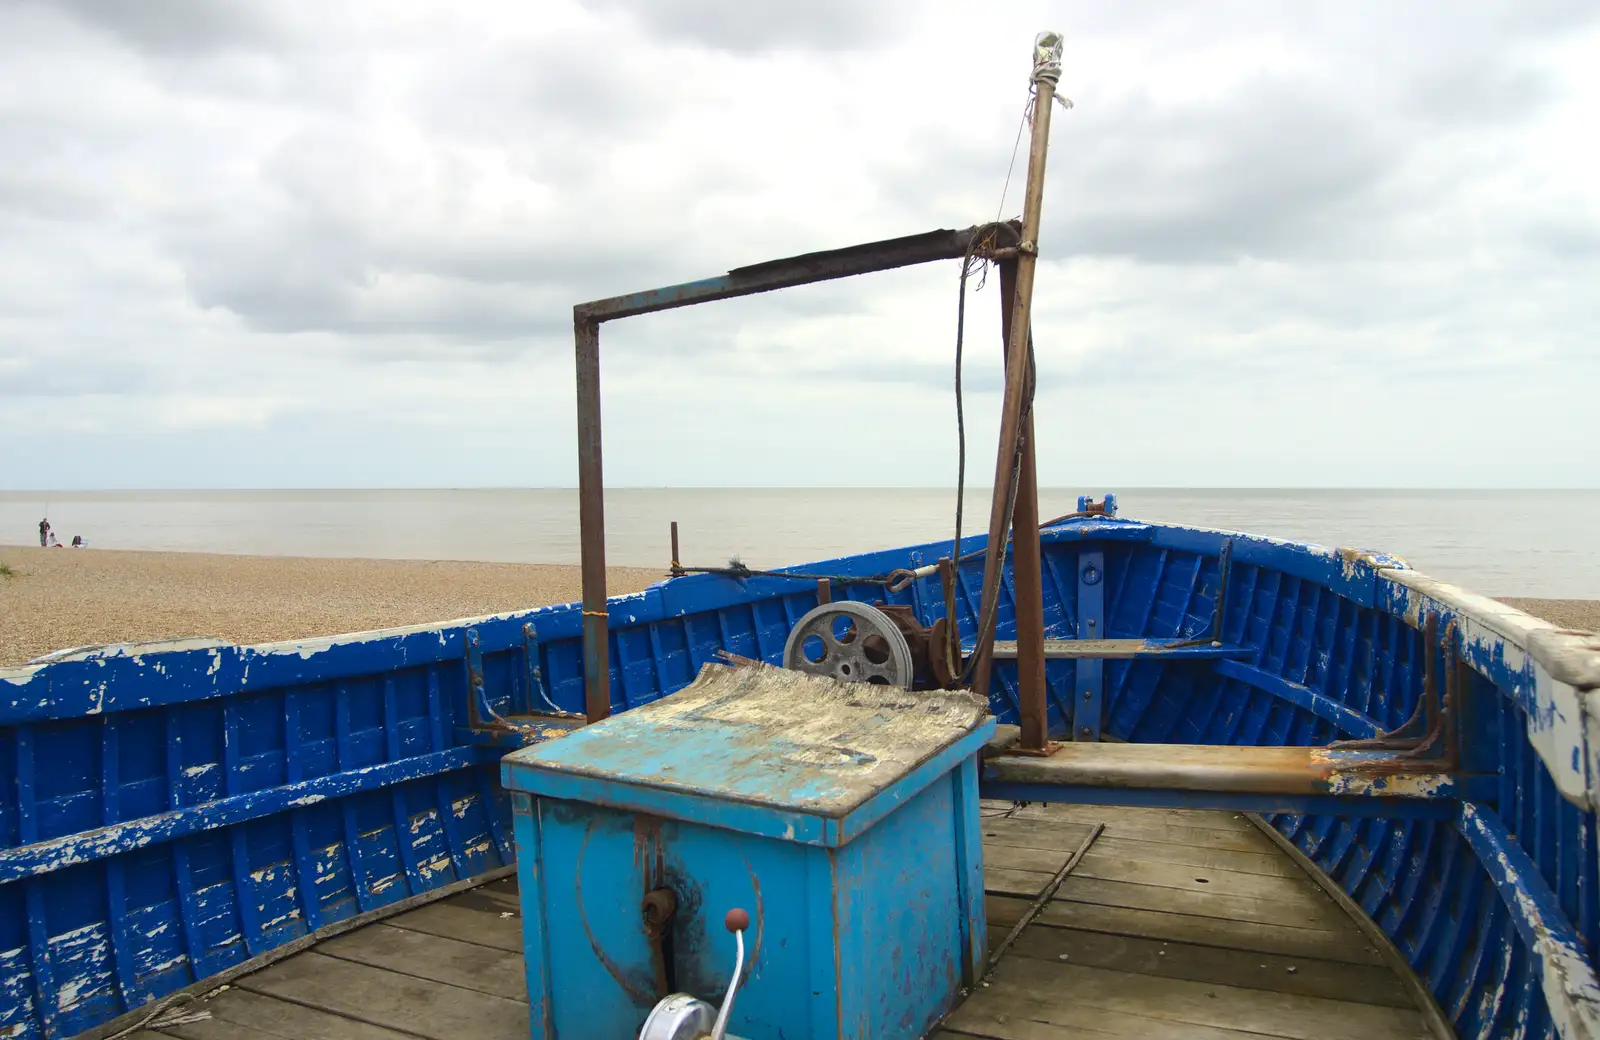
column 1571, row 991
column 1557, row 669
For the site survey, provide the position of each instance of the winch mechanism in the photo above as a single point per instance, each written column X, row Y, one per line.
column 850, row 642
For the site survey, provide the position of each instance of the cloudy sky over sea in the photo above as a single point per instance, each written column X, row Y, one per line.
column 286, row 244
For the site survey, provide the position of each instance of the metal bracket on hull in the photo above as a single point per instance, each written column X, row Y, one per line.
column 1430, row 734
column 486, row 726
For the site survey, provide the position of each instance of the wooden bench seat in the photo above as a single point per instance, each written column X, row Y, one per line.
column 1122, row 649
column 1262, row 779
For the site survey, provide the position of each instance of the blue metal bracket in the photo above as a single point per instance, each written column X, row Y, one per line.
column 1106, row 506
column 539, row 701
column 487, row 727
column 1089, row 673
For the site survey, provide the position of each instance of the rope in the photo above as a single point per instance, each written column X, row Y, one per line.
column 174, row 1011
column 1047, row 48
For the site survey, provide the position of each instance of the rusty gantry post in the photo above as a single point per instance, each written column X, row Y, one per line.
column 743, row 281
column 1015, row 455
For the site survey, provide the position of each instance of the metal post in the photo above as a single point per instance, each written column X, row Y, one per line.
column 1025, row 566
column 592, row 524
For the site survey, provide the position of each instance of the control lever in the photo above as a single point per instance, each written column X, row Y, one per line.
column 736, row 922
column 683, row 1017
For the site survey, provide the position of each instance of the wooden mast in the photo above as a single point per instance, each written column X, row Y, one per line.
column 1014, row 463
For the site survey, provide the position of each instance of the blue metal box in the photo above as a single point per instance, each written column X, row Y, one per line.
column 842, row 817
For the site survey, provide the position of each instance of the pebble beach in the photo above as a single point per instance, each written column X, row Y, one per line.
column 51, row 599
column 57, row 598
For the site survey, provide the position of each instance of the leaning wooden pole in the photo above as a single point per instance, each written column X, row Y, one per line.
column 1015, row 425
column 1026, row 563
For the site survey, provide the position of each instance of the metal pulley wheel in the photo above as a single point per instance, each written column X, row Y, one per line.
column 851, row 642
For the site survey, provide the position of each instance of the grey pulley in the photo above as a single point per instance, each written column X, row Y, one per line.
column 851, row 642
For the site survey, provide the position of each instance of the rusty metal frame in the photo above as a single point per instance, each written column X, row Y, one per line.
column 742, row 281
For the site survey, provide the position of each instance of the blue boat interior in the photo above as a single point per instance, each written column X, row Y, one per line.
column 183, row 812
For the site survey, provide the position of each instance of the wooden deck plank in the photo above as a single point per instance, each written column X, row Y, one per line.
column 1210, row 880
column 1305, row 914
column 1205, row 1003
column 997, row 1014
column 1361, row 984
column 466, row 921
column 1347, row 946
column 252, row 1016
column 468, row 965
column 1116, row 817
column 367, row 994
column 1159, row 860
column 1197, row 846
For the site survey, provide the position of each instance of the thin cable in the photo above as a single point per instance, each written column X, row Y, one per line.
column 1012, row 168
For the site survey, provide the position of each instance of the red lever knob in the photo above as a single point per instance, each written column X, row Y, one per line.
column 736, row 921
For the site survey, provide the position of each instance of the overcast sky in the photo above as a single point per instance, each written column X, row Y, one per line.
column 293, row 244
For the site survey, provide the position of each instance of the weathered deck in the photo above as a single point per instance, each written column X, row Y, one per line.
column 1175, row 924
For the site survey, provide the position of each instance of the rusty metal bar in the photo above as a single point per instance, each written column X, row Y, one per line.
column 1046, row 894
column 1013, row 431
column 741, row 281
column 785, row 273
column 592, row 526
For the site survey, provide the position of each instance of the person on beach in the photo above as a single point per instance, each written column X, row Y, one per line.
column 78, row 542
column 44, row 533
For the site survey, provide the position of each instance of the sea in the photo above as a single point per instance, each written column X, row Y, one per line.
column 1500, row 543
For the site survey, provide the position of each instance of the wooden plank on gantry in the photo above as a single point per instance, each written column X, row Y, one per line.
column 1357, row 983
column 468, row 965
column 1345, row 945
column 422, row 1007
column 1204, row 1003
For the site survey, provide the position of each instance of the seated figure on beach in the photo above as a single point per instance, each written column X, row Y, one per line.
column 78, row 542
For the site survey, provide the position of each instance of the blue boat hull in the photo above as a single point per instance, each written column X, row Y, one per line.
column 183, row 812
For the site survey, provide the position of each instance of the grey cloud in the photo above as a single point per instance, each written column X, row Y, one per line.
column 181, row 26
column 739, row 25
